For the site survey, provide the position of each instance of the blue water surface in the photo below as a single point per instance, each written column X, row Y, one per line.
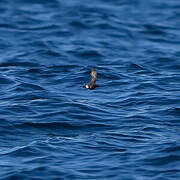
column 52, row 128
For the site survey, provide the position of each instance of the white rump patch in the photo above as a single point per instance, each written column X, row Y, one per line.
column 87, row 86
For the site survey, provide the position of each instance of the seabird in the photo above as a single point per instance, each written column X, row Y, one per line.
column 92, row 84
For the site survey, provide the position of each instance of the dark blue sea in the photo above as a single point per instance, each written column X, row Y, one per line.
column 52, row 128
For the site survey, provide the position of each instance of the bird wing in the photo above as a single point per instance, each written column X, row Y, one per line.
column 94, row 74
column 93, row 78
column 92, row 82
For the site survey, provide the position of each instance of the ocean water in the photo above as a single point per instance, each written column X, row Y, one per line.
column 51, row 128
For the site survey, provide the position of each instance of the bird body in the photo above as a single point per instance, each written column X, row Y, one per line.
column 92, row 84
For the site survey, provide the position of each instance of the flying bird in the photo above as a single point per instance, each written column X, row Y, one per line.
column 92, row 84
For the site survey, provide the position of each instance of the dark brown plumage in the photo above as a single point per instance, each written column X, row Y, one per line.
column 92, row 84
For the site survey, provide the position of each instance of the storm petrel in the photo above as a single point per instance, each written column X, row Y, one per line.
column 92, row 84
